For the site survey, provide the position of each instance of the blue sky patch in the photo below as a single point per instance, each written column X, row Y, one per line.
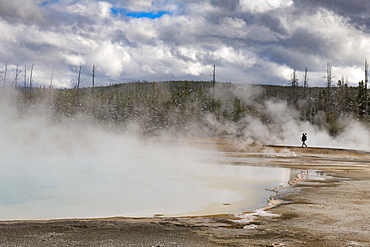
column 150, row 15
column 43, row 3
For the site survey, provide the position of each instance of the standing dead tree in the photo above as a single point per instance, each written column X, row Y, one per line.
column 51, row 78
column 5, row 71
column 93, row 88
column 305, row 82
column 365, row 91
column 341, row 100
column 307, row 95
column 294, row 87
column 30, row 82
column 25, row 76
column 329, row 77
column 79, row 78
column 15, row 81
column 78, row 87
column 213, row 81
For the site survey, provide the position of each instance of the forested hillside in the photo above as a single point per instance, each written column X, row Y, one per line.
column 196, row 107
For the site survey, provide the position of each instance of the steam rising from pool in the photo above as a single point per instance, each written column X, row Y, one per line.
column 78, row 170
column 67, row 168
column 118, row 175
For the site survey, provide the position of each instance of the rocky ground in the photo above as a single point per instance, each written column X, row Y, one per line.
column 328, row 205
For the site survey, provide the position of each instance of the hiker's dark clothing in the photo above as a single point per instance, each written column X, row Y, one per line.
column 304, row 139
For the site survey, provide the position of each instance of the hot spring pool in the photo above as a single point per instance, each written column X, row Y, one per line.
column 50, row 188
column 128, row 178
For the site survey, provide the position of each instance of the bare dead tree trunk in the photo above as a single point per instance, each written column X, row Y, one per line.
column 5, row 70
column 93, row 78
column 341, row 95
column 25, row 77
column 329, row 78
column 79, row 77
column 305, row 82
column 78, row 87
column 366, row 80
column 93, row 89
column 307, row 93
column 213, row 81
column 51, row 78
column 30, row 89
column 294, row 84
column 15, row 81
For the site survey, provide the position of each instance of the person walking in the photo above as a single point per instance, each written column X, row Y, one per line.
column 304, row 139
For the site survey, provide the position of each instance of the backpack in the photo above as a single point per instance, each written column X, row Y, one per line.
column 304, row 138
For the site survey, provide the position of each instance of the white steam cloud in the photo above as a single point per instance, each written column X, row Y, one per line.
column 282, row 125
column 55, row 165
column 74, row 169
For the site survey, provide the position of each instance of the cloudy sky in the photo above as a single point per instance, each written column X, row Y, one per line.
column 249, row 41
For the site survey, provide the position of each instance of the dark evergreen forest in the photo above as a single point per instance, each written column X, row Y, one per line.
column 183, row 106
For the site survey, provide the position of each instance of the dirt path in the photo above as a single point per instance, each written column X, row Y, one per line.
column 317, row 212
